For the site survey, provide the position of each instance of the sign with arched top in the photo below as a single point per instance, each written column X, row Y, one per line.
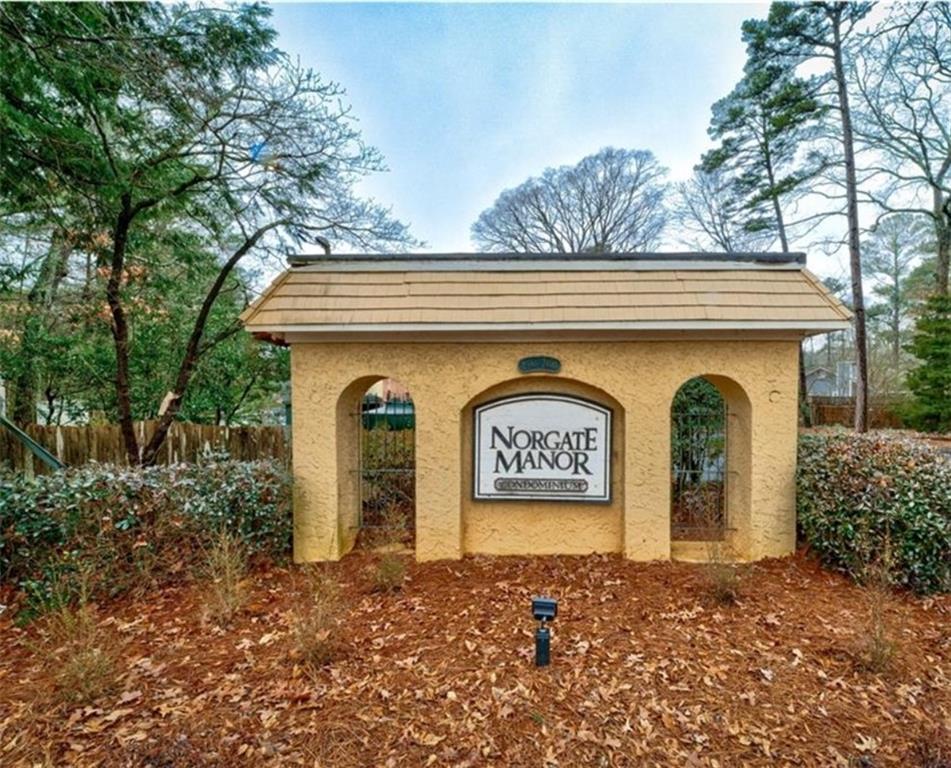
column 547, row 447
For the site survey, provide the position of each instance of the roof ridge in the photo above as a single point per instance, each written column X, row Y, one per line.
column 252, row 309
column 764, row 257
column 844, row 312
column 785, row 297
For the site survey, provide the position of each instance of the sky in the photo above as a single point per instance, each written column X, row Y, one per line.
column 465, row 101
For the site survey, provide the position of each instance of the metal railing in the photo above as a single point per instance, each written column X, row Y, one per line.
column 699, row 470
column 386, row 465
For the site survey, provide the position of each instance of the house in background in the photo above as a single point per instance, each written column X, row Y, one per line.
column 820, row 382
column 845, row 378
column 825, row 382
column 389, row 389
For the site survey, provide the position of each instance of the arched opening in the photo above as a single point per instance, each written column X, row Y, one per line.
column 699, row 462
column 386, row 465
column 376, row 463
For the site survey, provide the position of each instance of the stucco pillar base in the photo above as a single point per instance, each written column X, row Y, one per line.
column 647, row 495
column 438, row 476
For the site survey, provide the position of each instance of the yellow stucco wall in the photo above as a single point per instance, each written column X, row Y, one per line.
column 636, row 378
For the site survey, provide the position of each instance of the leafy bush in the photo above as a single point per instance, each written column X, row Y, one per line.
column 867, row 499
column 136, row 527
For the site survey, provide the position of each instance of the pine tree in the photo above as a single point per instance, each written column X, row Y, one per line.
column 760, row 126
column 930, row 382
column 796, row 33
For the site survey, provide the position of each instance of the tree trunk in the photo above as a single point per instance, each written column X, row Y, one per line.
column 942, row 220
column 120, row 332
column 805, row 413
column 777, row 208
column 50, row 405
column 896, row 310
column 855, row 254
column 193, row 350
column 244, row 393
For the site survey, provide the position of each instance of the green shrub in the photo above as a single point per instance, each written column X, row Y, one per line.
column 867, row 499
column 137, row 527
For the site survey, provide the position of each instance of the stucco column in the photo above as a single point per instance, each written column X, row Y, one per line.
column 438, row 475
column 773, row 458
column 647, row 480
column 314, row 432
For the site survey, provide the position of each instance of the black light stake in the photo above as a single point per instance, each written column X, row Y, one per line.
column 544, row 609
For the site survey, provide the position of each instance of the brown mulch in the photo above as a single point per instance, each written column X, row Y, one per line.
column 646, row 671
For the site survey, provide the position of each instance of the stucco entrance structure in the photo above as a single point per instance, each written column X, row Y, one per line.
column 621, row 332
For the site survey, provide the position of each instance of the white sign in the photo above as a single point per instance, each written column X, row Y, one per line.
column 551, row 447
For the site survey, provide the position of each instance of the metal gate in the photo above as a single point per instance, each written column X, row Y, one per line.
column 698, row 463
column 387, row 465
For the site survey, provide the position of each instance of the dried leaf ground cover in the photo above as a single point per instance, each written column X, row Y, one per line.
column 647, row 671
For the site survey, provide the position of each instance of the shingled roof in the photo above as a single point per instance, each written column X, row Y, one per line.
column 486, row 293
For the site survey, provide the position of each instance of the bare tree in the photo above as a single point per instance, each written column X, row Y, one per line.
column 904, row 119
column 612, row 201
column 891, row 251
column 710, row 215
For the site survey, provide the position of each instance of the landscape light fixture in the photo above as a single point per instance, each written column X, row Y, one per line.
column 544, row 609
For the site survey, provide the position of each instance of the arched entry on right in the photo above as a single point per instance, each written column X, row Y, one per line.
column 710, row 440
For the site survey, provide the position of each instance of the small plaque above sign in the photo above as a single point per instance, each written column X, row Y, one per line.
column 539, row 364
column 542, row 446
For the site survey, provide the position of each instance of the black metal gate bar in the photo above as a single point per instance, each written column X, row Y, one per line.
column 699, row 464
column 387, row 464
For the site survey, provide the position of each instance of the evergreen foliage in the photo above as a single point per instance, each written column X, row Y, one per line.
column 109, row 529
column 930, row 382
column 869, row 501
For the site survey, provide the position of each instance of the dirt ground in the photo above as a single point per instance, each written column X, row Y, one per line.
column 646, row 670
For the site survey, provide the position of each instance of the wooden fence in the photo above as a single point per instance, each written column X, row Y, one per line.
column 186, row 442
column 828, row 411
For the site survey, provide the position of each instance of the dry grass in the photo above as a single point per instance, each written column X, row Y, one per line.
column 724, row 582
column 720, row 571
column 389, row 573
column 391, row 531
column 389, row 570
column 315, row 618
column 933, row 748
column 225, row 568
column 84, row 655
column 877, row 645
